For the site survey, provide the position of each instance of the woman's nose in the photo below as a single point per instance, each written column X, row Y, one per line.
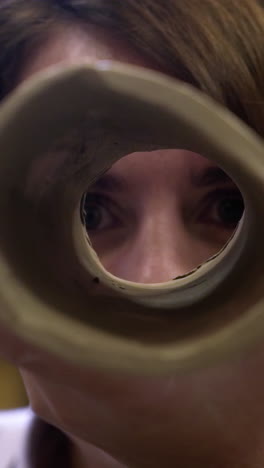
column 160, row 249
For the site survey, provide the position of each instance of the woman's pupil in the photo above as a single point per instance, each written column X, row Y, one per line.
column 92, row 217
column 231, row 210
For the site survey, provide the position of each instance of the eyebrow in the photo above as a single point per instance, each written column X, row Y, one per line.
column 212, row 175
column 109, row 183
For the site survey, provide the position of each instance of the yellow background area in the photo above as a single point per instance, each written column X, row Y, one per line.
column 12, row 391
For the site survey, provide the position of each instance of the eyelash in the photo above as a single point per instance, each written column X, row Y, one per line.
column 101, row 201
column 216, row 196
column 210, row 199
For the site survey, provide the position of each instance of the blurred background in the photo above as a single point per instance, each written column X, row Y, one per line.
column 12, row 391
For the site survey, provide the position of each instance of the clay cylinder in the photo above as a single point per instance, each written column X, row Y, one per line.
column 191, row 321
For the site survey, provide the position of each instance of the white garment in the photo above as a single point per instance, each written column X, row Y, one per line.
column 14, row 433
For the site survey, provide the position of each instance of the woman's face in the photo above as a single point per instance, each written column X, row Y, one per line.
column 158, row 215
column 152, row 217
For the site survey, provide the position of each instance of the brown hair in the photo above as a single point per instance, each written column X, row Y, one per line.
column 216, row 45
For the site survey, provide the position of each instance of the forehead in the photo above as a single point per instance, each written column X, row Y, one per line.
column 73, row 44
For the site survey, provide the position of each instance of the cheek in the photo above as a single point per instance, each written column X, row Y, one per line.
column 14, row 349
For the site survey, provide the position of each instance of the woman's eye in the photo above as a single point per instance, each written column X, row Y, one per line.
column 225, row 208
column 96, row 213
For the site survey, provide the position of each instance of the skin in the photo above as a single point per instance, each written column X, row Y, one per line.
column 208, row 418
column 140, row 223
